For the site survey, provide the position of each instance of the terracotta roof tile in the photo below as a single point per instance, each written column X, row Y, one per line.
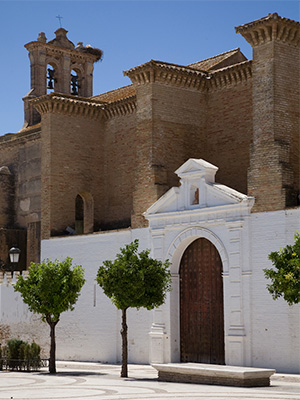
column 220, row 60
column 117, row 94
column 223, row 60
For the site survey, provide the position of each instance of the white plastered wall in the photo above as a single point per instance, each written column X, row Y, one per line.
column 92, row 331
column 259, row 331
column 275, row 326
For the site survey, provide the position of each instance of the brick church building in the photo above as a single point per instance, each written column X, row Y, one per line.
column 84, row 163
column 143, row 161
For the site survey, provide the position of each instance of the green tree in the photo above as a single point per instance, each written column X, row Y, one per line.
column 285, row 275
column 134, row 280
column 50, row 289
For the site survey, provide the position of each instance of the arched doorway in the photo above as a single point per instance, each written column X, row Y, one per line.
column 201, row 304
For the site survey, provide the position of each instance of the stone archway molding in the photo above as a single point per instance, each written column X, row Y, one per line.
column 185, row 238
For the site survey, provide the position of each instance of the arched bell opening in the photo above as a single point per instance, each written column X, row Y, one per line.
column 75, row 82
column 51, row 77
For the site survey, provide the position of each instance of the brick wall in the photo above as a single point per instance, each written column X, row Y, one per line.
column 274, row 155
column 287, row 116
column 21, row 154
column 119, row 171
column 274, row 169
column 170, row 127
column 229, row 133
column 7, row 215
column 72, row 162
column 28, row 185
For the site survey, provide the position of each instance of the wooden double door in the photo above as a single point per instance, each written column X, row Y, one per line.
column 201, row 304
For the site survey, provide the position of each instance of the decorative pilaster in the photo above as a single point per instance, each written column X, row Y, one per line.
column 234, row 324
column 158, row 332
column 157, row 336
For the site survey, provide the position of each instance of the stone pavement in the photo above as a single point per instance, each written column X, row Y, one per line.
column 89, row 381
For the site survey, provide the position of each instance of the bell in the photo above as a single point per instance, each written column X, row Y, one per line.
column 50, row 85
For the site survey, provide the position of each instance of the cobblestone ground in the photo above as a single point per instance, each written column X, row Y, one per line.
column 102, row 381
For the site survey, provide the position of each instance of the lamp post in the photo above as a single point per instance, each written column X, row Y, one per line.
column 14, row 254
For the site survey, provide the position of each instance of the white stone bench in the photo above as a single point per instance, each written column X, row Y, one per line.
column 213, row 374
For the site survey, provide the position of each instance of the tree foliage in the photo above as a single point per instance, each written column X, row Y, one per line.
column 285, row 275
column 134, row 280
column 50, row 289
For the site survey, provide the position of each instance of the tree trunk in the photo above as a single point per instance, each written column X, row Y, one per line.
column 52, row 366
column 124, row 370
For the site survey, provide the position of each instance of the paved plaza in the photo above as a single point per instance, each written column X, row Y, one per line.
column 76, row 380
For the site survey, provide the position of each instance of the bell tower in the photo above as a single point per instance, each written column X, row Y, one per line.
column 58, row 66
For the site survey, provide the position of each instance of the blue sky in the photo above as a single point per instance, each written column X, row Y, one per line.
column 129, row 33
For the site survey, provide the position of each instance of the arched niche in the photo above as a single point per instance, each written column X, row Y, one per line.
column 84, row 213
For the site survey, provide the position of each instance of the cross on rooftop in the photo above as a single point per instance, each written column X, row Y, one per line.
column 60, row 18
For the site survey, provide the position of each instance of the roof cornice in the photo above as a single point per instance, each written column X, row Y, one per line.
column 170, row 74
column 231, row 75
column 120, row 107
column 80, row 106
column 271, row 28
column 65, row 104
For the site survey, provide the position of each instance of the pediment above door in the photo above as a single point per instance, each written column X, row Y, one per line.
column 197, row 191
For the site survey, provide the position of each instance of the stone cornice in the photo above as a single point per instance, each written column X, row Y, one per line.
column 120, row 107
column 52, row 50
column 271, row 28
column 68, row 105
column 232, row 75
column 169, row 74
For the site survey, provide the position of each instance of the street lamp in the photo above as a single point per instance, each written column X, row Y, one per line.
column 14, row 254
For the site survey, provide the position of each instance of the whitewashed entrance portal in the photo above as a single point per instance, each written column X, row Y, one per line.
column 205, row 218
